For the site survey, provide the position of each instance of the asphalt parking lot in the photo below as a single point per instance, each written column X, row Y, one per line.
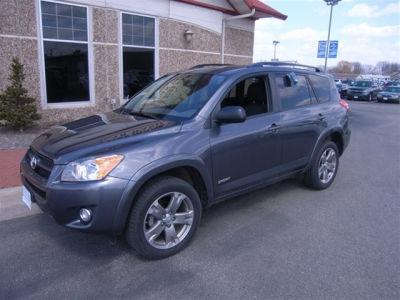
column 284, row 241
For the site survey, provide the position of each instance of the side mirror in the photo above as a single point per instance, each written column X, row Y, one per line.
column 231, row 114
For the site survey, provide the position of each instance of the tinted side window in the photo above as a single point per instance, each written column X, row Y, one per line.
column 322, row 87
column 292, row 96
column 250, row 94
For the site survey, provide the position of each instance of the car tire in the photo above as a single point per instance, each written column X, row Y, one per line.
column 313, row 177
column 153, row 229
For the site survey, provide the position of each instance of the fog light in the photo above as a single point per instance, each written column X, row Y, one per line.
column 85, row 214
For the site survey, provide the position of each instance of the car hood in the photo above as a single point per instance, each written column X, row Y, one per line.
column 97, row 132
column 359, row 88
column 389, row 94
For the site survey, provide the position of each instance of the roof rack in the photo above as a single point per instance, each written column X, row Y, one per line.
column 283, row 64
column 210, row 65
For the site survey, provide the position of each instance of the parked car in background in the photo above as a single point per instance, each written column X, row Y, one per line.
column 390, row 94
column 188, row 140
column 363, row 90
column 342, row 88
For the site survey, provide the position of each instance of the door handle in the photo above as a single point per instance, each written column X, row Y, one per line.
column 321, row 117
column 273, row 128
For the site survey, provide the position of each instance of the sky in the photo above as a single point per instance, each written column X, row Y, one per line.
column 368, row 31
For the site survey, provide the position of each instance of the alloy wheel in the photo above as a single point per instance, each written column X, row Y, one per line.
column 168, row 220
column 327, row 165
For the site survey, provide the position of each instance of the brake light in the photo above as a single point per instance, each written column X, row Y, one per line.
column 344, row 104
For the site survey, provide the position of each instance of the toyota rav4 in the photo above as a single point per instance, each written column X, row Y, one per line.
column 188, row 140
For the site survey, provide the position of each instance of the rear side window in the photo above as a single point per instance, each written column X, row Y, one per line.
column 292, row 96
column 322, row 87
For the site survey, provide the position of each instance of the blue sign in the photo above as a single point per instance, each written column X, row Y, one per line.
column 321, row 49
column 333, row 48
column 332, row 51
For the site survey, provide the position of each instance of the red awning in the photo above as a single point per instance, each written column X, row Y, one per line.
column 240, row 7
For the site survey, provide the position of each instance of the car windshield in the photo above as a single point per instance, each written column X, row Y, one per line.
column 363, row 83
column 392, row 89
column 177, row 97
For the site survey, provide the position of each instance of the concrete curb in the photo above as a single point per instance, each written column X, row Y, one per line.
column 11, row 205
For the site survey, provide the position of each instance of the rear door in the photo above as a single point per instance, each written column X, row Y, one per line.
column 244, row 154
column 302, row 120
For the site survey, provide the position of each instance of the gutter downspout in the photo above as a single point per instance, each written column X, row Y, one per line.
column 224, row 20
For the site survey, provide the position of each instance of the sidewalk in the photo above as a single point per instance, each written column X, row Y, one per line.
column 9, row 167
column 11, row 205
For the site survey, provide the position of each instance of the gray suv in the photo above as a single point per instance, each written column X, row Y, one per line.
column 186, row 141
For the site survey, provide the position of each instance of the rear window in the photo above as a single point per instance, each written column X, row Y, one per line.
column 322, row 87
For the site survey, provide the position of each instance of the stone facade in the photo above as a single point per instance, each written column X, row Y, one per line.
column 18, row 37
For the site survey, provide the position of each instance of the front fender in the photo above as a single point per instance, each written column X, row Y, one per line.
column 149, row 171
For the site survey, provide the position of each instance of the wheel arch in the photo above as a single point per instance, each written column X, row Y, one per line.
column 335, row 135
column 191, row 170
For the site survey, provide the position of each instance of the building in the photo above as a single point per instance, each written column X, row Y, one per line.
column 86, row 56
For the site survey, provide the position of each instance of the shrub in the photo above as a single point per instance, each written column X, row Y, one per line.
column 17, row 108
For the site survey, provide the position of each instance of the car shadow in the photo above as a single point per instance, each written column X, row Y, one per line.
column 104, row 247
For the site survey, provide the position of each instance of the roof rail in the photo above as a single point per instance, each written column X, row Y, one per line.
column 210, row 65
column 283, row 64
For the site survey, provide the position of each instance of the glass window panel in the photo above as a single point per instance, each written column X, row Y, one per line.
column 65, row 34
column 138, row 40
column 49, row 20
column 67, row 76
column 292, row 96
column 127, row 40
column 149, row 42
column 49, row 32
column 79, row 23
column 64, row 22
column 78, row 11
column 48, row 8
column 80, row 35
column 137, row 30
column 126, row 19
column 321, row 87
column 140, row 29
column 64, row 10
column 138, row 66
column 137, row 20
column 127, row 29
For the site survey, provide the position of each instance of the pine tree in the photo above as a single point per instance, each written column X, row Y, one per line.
column 17, row 108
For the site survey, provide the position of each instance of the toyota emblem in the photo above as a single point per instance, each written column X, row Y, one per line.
column 33, row 162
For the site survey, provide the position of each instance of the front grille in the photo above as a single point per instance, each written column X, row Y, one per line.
column 44, row 165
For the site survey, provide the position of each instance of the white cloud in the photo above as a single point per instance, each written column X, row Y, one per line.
column 366, row 30
column 306, row 33
column 364, row 10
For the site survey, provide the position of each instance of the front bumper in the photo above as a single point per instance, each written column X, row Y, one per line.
column 63, row 200
column 388, row 99
column 351, row 96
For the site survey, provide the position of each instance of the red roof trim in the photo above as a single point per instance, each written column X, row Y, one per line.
column 264, row 8
column 257, row 5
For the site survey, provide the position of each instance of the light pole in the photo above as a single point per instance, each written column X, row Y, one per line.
column 275, row 44
column 331, row 3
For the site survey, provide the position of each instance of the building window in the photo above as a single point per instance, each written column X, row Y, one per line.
column 65, row 47
column 138, row 36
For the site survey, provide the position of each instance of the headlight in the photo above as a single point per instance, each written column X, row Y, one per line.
column 91, row 169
